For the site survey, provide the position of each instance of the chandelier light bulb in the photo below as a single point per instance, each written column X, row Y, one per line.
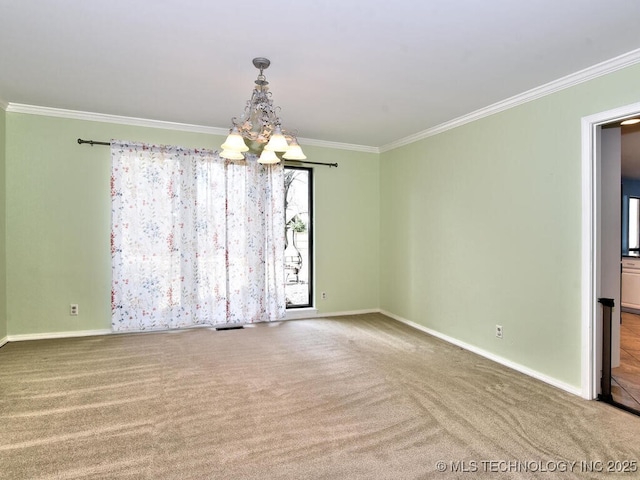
column 277, row 142
column 294, row 152
column 268, row 156
column 234, row 142
column 231, row 155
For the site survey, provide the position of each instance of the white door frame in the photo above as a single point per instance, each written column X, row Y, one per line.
column 590, row 275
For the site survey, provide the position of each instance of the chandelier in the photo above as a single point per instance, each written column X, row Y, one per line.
column 258, row 129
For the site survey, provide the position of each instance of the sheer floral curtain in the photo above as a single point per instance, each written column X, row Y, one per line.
column 195, row 239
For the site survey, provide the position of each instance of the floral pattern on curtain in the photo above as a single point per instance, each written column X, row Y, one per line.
column 195, row 239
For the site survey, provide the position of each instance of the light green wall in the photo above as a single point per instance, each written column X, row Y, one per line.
column 3, row 265
column 347, row 222
column 481, row 225
column 58, row 215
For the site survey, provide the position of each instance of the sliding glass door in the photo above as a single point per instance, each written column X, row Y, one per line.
column 298, row 254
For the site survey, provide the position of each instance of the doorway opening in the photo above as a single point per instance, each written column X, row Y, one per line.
column 602, row 240
column 625, row 379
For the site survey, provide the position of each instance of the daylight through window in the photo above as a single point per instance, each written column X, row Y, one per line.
column 299, row 237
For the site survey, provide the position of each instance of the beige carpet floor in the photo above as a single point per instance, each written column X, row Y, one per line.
column 360, row 397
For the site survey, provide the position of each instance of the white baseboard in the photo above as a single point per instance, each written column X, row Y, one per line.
column 50, row 335
column 4, row 340
column 491, row 356
column 306, row 313
column 300, row 313
column 349, row 312
column 297, row 314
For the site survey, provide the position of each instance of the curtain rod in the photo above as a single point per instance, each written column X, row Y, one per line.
column 292, row 162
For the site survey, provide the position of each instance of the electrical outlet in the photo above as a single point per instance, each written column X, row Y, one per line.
column 73, row 309
column 324, row 295
column 499, row 331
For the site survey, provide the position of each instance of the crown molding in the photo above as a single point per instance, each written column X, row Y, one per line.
column 4, row 105
column 117, row 119
column 340, row 146
column 595, row 71
column 143, row 122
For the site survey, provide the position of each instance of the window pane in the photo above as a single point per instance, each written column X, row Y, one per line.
column 297, row 254
column 634, row 226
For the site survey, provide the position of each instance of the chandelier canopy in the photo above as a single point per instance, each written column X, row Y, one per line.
column 259, row 129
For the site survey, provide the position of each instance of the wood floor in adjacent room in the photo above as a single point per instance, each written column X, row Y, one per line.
column 625, row 383
column 356, row 397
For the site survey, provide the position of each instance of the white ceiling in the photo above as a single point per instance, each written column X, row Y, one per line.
column 366, row 72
